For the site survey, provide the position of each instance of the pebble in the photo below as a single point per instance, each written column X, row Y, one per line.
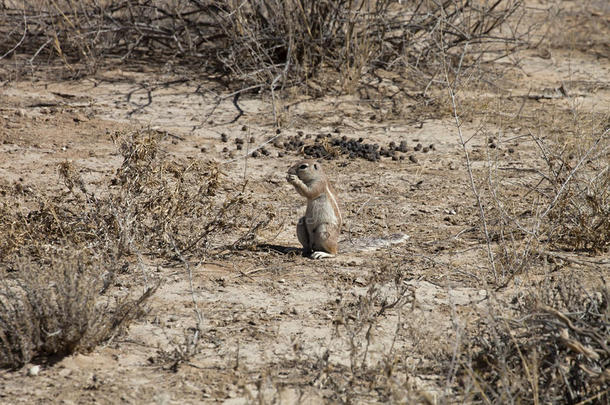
column 33, row 371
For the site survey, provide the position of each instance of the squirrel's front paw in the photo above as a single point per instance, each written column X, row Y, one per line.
column 291, row 178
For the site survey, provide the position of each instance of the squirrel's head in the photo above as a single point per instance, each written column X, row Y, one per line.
column 307, row 170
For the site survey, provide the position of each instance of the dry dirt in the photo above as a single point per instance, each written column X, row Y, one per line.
column 268, row 314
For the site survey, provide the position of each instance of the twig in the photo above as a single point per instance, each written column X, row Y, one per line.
column 473, row 186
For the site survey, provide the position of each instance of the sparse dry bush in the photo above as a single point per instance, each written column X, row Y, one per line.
column 172, row 206
column 559, row 201
column 54, row 309
column 268, row 44
column 555, row 349
column 564, row 202
column 579, row 177
column 154, row 205
column 358, row 324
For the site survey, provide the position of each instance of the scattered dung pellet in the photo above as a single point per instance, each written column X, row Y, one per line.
column 244, row 128
column 432, row 147
column 278, row 131
column 361, row 139
column 425, row 149
column 392, row 145
column 224, row 137
column 300, row 133
column 413, row 159
column 238, row 146
column 203, row 149
column 511, row 150
column 255, row 154
column 239, row 141
column 403, row 146
column 252, row 140
column 417, row 147
column 492, row 145
column 373, row 117
column 280, row 154
column 264, row 151
column 225, row 149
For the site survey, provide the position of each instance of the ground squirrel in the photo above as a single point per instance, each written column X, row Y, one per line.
column 318, row 231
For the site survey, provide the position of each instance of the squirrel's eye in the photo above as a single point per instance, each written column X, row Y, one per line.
column 303, row 167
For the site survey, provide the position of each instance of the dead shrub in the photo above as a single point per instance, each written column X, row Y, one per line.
column 154, row 204
column 52, row 302
column 172, row 207
column 53, row 310
column 554, row 349
column 269, row 44
column 579, row 177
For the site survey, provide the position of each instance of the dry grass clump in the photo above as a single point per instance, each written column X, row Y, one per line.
column 554, row 349
column 51, row 310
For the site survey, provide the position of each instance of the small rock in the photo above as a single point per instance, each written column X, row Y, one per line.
column 80, row 118
column 33, row 371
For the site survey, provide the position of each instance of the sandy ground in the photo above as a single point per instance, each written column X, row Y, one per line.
column 268, row 315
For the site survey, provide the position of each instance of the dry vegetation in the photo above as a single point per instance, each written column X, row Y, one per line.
column 59, row 253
